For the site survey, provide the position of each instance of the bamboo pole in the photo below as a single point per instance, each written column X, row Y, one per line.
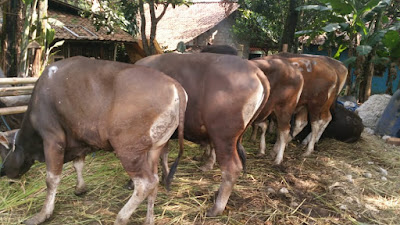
column 14, row 91
column 28, row 80
column 13, row 110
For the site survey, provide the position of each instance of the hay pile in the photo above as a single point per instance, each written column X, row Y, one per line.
column 339, row 184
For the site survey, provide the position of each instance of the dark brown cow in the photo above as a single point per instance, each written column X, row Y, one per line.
column 80, row 105
column 225, row 93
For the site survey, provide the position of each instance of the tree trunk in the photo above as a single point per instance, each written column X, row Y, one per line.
column 392, row 75
column 11, row 37
column 153, row 27
column 146, row 48
column 290, row 26
column 348, row 86
column 149, row 47
column 366, row 84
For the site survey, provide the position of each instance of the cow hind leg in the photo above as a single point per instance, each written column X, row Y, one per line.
column 317, row 128
column 80, row 187
column 299, row 123
column 145, row 181
column 54, row 154
column 283, row 122
column 263, row 126
column 144, row 187
column 326, row 117
column 254, row 129
column 210, row 158
column 230, row 165
column 164, row 163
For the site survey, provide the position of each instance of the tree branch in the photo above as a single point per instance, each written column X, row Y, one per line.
column 163, row 12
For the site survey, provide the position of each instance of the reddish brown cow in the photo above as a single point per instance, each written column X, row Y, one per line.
column 286, row 84
column 80, row 105
column 323, row 80
column 316, row 68
column 225, row 93
column 286, row 87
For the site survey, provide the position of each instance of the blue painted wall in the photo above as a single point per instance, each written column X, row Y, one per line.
column 378, row 83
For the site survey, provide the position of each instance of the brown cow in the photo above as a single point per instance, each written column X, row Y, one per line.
column 286, row 87
column 80, row 105
column 315, row 68
column 225, row 93
column 323, row 79
column 286, row 84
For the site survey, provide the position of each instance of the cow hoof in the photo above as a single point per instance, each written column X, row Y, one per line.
column 130, row 185
column 206, row 167
column 80, row 191
column 197, row 158
column 306, row 154
column 260, row 154
column 279, row 167
column 277, row 163
column 212, row 212
column 37, row 219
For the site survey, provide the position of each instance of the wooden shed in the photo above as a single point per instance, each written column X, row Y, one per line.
column 80, row 35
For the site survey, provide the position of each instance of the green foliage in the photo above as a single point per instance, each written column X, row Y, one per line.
column 364, row 49
column 260, row 22
column 115, row 13
column 352, row 17
column 27, row 2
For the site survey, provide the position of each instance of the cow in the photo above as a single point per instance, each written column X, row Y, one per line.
column 316, row 68
column 324, row 78
column 220, row 49
column 80, row 105
column 225, row 94
column 286, row 83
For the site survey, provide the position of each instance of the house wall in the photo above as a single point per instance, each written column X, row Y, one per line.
column 378, row 81
column 222, row 34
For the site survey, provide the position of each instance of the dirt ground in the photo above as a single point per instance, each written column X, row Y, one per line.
column 340, row 183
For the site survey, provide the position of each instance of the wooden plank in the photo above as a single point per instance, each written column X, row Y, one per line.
column 18, row 80
column 14, row 91
column 393, row 141
column 13, row 110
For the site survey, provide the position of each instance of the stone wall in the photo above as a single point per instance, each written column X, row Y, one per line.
column 221, row 34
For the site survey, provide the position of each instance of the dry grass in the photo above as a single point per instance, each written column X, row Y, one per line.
column 320, row 189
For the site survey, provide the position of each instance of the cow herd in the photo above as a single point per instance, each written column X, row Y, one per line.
column 81, row 105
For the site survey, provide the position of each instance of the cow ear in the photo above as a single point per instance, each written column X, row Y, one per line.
column 4, row 141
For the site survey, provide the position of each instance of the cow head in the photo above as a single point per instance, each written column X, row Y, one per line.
column 14, row 163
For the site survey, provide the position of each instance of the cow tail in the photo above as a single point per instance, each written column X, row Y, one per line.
column 239, row 147
column 182, row 109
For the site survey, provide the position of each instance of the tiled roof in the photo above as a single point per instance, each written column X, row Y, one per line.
column 184, row 23
column 83, row 29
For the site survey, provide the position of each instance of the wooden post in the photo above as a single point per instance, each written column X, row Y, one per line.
column 36, row 62
column 13, row 110
column 30, row 80
column 285, row 47
column 14, row 91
